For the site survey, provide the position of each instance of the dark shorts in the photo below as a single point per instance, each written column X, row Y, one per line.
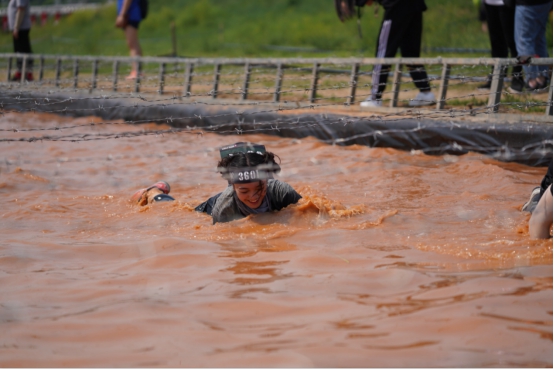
column 134, row 24
column 547, row 180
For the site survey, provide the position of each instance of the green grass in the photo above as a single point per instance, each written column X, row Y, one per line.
column 254, row 28
column 524, row 103
column 474, row 102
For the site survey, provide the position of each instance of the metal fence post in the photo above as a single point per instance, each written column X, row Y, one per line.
column 115, row 72
column 345, row 67
column 137, row 80
column 549, row 101
column 23, row 70
column 94, row 74
column 445, row 76
column 353, row 83
column 40, row 68
column 189, row 70
column 278, row 83
column 396, row 85
column 315, row 77
column 9, row 77
column 161, row 79
column 58, row 71
column 245, row 85
column 75, row 73
column 496, row 86
column 217, row 70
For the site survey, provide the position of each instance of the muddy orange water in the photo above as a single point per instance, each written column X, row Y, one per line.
column 392, row 259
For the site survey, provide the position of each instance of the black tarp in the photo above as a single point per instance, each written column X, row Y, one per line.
column 528, row 143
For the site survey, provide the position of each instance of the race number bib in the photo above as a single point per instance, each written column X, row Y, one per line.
column 247, row 175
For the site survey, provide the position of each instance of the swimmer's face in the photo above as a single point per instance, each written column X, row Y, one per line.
column 252, row 194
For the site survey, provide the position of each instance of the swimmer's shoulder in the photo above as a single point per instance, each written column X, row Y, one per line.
column 281, row 194
column 225, row 208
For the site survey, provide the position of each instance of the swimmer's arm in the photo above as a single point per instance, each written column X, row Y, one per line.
column 292, row 197
column 125, row 7
column 225, row 208
column 121, row 20
column 18, row 20
column 541, row 218
column 285, row 195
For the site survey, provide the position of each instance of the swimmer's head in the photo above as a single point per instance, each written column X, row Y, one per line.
column 247, row 167
column 247, row 162
column 241, row 147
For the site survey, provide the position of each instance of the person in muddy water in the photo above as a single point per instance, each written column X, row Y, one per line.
column 248, row 169
column 540, row 206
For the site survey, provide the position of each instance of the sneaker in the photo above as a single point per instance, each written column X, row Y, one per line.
column 138, row 196
column 528, row 88
column 539, row 87
column 163, row 198
column 29, row 76
column 16, row 76
column 370, row 103
column 516, row 85
column 533, row 200
column 423, row 98
column 485, row 86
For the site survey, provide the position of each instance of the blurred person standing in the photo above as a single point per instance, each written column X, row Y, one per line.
column 531, row 17
column 19, row 23
column 401, row 27
column 500, row 15
column 129, row 16
column 540, row 206
column 482, row 14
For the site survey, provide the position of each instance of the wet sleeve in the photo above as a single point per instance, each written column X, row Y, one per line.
column 207, row 206
column 283, row 195
column 225, row 209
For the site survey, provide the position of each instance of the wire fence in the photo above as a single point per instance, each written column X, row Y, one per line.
column 278, row 97
column 303, row 80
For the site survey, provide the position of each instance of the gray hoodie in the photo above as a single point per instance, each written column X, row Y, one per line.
column 280, row 195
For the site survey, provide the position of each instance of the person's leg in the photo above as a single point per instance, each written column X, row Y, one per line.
column 381, row 72
column 17, row 48
column 530, row 23
column 390, row 36
column 524, row 35
column 131, row 35
column 499, row 47
column 543, row 12
column 25, row 47
column 410, row 47
column 507, row 19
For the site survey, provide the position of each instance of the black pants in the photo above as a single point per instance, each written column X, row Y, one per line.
column 401, row 28
column 547, row 180
column 500, row 21
column 23, row 45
